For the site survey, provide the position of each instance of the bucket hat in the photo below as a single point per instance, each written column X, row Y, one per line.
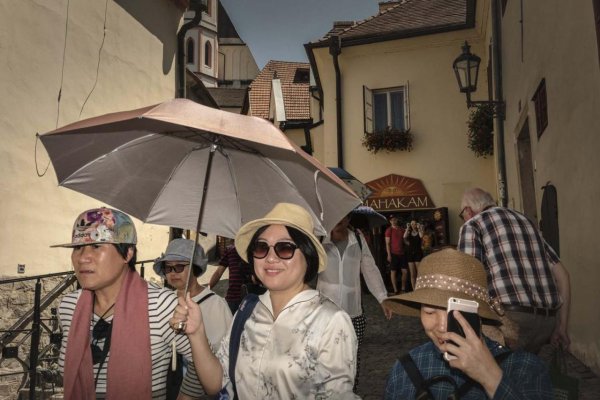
column 102, row 225
column 444, row 274
column 287, row 214
column 181, row 250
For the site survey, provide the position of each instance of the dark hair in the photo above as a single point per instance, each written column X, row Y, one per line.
column 305, row 245
column 123, row 248
column 196, row 270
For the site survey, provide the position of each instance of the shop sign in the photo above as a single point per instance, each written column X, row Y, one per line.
column 396, row 193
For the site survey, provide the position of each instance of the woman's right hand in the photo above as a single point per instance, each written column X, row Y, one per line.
column 188, row 311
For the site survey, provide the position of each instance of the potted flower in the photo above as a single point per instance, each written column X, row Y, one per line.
column 390, row 139
column 480, row 131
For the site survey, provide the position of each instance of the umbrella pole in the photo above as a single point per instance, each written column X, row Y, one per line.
column 211, row 154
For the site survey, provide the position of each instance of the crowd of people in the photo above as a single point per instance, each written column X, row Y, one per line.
column 301, row 337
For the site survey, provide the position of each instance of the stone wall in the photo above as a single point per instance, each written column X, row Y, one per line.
column 16, row 299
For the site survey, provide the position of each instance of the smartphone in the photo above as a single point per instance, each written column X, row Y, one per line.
column 468, row 309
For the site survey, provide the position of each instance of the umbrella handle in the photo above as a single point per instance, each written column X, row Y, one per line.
column 174, row 355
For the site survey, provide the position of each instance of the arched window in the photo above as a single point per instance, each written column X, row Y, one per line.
column 190, row 51
column 207, row 54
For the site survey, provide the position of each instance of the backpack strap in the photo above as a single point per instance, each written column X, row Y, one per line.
column 468, row 385
column 415, row 377
column 241, row 316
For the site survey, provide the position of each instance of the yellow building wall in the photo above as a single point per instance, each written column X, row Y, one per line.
column 106, row 57
column 560, row 45
column 438, row 115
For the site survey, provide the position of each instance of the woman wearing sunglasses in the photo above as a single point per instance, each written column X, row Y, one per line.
column 117, row 343
column 296, row 343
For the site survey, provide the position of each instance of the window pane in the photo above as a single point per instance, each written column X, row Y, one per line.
column 397, row 99
column 380, row 108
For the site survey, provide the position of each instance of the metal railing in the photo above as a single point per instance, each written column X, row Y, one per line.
column 15, row 336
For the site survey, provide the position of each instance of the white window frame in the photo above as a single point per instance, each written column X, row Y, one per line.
column 369, row 109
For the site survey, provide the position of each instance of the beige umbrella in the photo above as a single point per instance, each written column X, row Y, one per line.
column 185, row 165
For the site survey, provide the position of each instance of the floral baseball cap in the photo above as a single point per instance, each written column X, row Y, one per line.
column 102, row 225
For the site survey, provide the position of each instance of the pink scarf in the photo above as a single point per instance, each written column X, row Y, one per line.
column 130, row 365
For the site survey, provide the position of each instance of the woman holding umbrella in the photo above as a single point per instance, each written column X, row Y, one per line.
column 116, row 338
column 296, row 342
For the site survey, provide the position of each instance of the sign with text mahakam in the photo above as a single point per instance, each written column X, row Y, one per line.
column 396, row 193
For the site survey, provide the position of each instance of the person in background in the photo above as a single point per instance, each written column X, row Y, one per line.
column 296, row 343
column 428, row 242
column 174, row 266
column 394, row 245
column 412, row 238
column 484, row 369
column 523, row 271
column 238, row 276
column 340, row 282
column 116, row 343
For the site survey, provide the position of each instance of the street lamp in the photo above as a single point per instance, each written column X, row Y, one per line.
column 466, row 69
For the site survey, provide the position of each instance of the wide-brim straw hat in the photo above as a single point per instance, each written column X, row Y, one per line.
column 444, row 274
column 287, row 214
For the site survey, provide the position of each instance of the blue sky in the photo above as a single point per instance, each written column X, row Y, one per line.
column 278, row 29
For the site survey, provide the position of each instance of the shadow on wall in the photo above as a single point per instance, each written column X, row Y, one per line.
column 163, row 25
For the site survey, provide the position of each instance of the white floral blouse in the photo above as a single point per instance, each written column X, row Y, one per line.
column 308, row 352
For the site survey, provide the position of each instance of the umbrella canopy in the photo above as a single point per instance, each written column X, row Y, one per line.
column 357, row 186
column 366, row 217
column 169, row 163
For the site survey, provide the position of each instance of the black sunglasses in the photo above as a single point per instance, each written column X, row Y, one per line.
column 170, row 268
column 283, row 250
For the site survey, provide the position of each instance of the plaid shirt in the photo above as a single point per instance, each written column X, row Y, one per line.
column 517, row 259
column 524, row 376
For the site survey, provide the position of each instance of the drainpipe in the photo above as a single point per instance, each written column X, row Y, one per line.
column 335, row 49
column 497, row 68
column 198, row 6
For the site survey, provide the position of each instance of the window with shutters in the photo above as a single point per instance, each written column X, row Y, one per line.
column 541, row 108
column 386, row 109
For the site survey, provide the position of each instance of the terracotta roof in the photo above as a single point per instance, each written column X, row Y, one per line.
column 296, row 95
column 406, row 16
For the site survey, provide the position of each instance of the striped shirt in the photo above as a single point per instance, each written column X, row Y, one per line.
column 161, row 304
column 517, row 259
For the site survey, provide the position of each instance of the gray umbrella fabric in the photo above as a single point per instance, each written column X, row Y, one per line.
column 151, row 163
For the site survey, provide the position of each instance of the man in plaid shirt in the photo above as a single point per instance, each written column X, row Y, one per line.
column 523, row 271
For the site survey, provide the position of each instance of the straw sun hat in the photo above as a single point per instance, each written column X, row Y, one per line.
column 444, row 274
column 287, row 214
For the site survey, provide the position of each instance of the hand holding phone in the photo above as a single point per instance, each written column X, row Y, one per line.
column 468, row 309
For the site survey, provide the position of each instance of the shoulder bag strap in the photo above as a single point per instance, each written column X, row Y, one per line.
column 359, row 241
column 205, row 297
column 415, row 377
column 242, row 314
